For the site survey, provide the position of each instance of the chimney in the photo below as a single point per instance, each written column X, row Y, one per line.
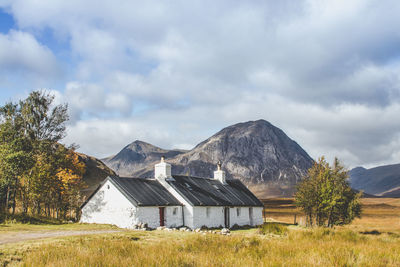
column 162, row 170
column 220, row 174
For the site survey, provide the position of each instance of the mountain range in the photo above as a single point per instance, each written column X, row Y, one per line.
column 379, row 181
column 259, row 154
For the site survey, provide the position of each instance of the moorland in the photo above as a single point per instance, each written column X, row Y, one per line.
column 372, row 240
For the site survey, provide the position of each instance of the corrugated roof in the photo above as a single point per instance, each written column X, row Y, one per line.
column 144, row 192
column 211, row 192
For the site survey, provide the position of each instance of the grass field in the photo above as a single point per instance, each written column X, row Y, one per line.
column 373, row 240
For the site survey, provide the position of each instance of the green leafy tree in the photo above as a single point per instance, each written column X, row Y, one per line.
column 35, row 169
column 15, row 156
column 326, row 197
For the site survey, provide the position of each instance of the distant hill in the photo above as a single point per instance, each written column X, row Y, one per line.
column 380, row 181
column 136, row 156
column 96, row 172
column 261, row 155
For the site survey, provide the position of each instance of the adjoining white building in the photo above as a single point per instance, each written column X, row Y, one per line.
column 173, row 201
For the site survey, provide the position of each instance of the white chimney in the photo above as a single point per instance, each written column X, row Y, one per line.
column 162, row 170
column 220, row 174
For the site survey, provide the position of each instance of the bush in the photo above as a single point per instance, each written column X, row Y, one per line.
column 273, row 228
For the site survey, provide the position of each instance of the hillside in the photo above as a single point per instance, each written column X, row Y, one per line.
column 261, row 155
column 96, row 172
column 136, row 156
column 380, row 181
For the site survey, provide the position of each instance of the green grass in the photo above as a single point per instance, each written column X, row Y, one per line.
column 18, row 227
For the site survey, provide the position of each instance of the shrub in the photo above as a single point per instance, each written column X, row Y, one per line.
column 273, row 228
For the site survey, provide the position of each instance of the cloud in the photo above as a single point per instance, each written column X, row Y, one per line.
column 20, row 51
column 171, row 73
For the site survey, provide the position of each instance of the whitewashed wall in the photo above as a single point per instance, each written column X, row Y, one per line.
column 257, row 215
column 242, row 219
column 215, row 218
column 171, row 219
column 151, row 216
column 110, row 206
column 244, row 216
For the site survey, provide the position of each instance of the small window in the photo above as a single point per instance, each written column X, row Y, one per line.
column 238, row 212
column 208, row 210
column 175, row 211
column 108, row 186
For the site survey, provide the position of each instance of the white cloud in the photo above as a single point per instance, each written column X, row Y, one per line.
column 20, row 51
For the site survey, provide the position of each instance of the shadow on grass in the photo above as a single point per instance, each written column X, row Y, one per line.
column 27, row 219
column 376, row 232
column 373, row 232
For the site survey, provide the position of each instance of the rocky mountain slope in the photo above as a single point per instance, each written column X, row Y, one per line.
column 136, row 156
column 259, row 154
column 379, row 181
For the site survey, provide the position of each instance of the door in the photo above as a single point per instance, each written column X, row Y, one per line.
column 226, row 217
column 251, row 216
column 162, row 216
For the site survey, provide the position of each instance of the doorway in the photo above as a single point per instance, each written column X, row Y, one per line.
column 226, row 217
column 162, row 216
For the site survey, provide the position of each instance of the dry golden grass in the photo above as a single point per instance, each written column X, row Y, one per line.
column 298, row 247
column 373, row 240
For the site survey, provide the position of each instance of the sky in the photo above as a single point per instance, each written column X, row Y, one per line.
column 172, row 73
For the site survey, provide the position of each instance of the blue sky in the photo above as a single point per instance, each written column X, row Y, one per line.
column 173, row 73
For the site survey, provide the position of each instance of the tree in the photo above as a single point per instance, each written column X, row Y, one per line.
column 326, row 197
column 15, row 155
column 35, row 169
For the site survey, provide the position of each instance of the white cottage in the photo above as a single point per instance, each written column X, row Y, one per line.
column 126, row 202
column 173, row 200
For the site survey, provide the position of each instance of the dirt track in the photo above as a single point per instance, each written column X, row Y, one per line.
column 26, row 236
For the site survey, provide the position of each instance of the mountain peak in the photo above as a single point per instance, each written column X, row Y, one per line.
column 256, row 152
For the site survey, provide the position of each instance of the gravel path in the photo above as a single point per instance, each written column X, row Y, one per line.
column 20, row 236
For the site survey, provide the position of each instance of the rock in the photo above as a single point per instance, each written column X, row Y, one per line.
column 197, row 230
column 182, row 229
column 225, row 231
column 188, row 230
column 160, row 227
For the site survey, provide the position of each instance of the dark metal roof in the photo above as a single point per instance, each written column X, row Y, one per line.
column 141, row 192
column 144, row 192
column 211, row 192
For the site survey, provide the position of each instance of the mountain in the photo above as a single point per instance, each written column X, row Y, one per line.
column 136, row 156
column 96, row 172
column 379, row 181
column 261, row 155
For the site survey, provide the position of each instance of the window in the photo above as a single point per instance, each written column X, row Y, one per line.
column 238, row 212
column 175, row 211
column 208, row 210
